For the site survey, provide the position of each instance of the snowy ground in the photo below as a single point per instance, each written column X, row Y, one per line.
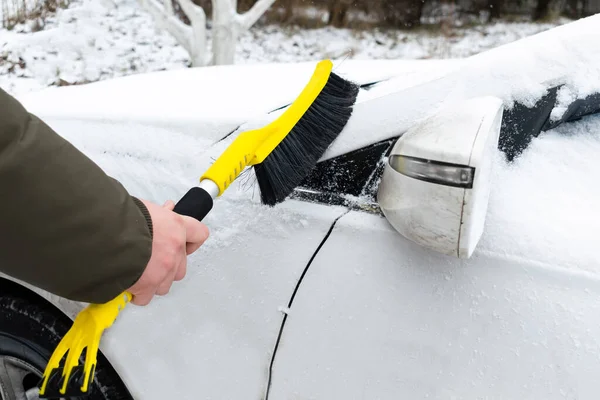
column 94, row 40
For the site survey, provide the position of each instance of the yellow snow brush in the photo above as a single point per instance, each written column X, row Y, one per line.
column 282, row 153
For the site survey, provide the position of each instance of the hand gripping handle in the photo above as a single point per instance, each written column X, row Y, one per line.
column 95, row 318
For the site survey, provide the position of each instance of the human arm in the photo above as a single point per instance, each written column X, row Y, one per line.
column 70, row 229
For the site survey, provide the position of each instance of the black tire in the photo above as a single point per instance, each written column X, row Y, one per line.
column 30, row 331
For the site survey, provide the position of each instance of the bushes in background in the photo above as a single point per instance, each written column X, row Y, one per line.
column 401, row 14
column 34, row 11
column 405, row 14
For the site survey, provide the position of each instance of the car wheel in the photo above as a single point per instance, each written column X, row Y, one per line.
column 29, row 333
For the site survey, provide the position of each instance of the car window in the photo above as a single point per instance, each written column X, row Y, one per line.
column 350, row 179
column 521, row 124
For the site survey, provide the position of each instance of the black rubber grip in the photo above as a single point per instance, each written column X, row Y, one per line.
column 196, row 203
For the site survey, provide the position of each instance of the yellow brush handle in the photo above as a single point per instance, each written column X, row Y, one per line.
column 106, row 314
column 252, row 147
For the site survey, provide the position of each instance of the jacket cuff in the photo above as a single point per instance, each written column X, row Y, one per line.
column 146, row 214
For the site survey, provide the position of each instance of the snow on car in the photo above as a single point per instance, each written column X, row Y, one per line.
column 335, row 293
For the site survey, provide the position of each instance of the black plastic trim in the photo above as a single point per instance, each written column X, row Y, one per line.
column 196, row 203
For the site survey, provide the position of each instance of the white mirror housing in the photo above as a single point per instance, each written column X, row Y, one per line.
column 435, row 186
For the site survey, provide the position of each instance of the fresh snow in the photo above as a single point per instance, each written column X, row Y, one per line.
column 212, row 108
column 97, row 40
column 86, row 42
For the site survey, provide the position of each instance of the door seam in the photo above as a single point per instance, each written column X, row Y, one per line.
column 291, row 301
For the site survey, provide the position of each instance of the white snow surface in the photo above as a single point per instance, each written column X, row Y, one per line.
column 212, row 101
column 97, row 40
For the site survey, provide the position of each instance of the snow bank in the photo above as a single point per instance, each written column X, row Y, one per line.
column 86, row 42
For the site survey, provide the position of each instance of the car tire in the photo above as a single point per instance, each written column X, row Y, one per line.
column 30, row 330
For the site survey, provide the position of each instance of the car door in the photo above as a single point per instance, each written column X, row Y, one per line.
column 378, row 317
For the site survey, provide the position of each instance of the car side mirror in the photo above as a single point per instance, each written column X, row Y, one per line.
column 435, row 186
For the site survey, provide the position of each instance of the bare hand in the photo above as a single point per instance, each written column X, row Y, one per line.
column 175, row 237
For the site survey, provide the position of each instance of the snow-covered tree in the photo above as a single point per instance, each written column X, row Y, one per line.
column 227, row 25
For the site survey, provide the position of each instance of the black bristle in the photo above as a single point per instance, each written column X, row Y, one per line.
column 297, row 154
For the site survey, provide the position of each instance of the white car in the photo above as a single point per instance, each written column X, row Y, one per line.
column 446, row 246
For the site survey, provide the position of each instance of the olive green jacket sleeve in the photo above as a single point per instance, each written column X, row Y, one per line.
column 65, row 226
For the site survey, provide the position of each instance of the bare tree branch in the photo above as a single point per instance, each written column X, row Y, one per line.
column 195, row 13
column 227, row 24
column 192, row 38
column 250, row 17
column 170, row 23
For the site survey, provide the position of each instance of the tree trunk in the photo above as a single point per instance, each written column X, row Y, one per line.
column 338, row 9
column 198, row 43
column 199, row 51
column 225, row 31
column 288, row 14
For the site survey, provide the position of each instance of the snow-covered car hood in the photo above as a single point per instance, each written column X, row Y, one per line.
column 210, row 102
